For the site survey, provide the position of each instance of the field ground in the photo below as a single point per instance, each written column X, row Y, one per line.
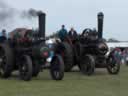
column 74, row 84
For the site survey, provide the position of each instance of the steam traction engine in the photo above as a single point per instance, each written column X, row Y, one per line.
column 27, row 52
column 89, row 51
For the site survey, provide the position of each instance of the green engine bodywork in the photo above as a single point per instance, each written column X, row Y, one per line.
column 38, row 50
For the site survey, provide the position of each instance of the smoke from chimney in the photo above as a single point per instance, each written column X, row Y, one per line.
column 31, row 13
column 6, row 12
column 9, row 16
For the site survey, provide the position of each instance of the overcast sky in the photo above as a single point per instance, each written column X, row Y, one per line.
column 80, row 14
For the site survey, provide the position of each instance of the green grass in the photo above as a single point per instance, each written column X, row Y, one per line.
column 74, row 84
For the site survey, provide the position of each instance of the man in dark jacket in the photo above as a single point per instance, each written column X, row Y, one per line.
column 3, row 36
column 72, row 34
column 62, row 34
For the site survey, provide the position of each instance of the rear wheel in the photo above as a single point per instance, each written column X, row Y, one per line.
column 36, row 68
column 6, row 60
column 57, row 68
column 68, row 57
column 77, row 52
column 25, row 68
column 87, row 65
column 113, row 66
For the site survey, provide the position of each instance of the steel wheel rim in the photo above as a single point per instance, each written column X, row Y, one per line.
column 56, row 68
column 24, row 67
column 113, row 66
column 2, row 60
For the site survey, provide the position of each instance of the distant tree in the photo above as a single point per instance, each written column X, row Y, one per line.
column 113, row 40
column 55, row 34
column 104, row 40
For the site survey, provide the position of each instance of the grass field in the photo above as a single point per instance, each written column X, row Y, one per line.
column 74, row 84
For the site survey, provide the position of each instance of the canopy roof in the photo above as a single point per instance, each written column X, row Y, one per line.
column 21, row 32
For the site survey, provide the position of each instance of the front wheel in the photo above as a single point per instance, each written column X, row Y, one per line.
column 87, row 66
column 57, row 68
column 127, row 63
column 6, row 60
column 25, row 68
column 113, row 66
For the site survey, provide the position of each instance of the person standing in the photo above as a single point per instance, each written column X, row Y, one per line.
column 62, row 34
column 3, row 36
column 72, row 34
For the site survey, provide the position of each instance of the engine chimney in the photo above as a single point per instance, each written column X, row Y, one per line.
column 42, row 17
column 100, row 25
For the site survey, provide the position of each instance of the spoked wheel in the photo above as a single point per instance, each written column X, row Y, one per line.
column 88, row 65
column 113, row 65
column 6, row 61
column 68, row 57
column 77, row 52
column 25, row 68
column 57, row 68
column 36, row 68
column 127, row 63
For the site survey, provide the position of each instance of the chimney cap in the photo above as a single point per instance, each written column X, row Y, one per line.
column 101, row 14
column 41, row 13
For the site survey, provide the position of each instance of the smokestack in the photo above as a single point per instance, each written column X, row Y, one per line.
column 41, row 24
column 100, row 25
